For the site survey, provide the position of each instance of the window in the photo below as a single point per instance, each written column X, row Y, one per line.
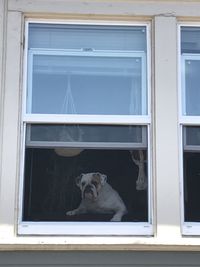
column 190, row 127
column 86, row 125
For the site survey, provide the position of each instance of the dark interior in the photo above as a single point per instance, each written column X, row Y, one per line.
column 50, row 190
column 192, row 186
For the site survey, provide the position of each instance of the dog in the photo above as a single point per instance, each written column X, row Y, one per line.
column 98, row 197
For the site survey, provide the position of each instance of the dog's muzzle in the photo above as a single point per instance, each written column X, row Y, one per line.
column 89, row 192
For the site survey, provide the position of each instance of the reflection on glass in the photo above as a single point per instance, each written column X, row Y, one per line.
column 87, row 85
column 192, row 87
column 77, row 134
column 97, row 37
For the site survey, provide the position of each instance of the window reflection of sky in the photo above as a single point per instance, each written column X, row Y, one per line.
column 86, row 85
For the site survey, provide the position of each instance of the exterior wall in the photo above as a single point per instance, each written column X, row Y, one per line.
column 3, row 14
column 164, row 17
column 98, row 259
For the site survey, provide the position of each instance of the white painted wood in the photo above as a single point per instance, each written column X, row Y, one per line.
column 109, row 7
column 166, row 120
column 10, row 136
column 3, row 20
column 87, row 119
column 189, row 120
column 86, row 228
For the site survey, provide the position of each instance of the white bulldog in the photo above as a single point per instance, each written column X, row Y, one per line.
column 98, row 197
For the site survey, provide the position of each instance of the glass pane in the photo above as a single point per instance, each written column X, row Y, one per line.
column 54, row 185
column 192, row 136
column 191, row 160
column 93, row 37
column 62, row 135
column 192, row 87
column 61, row 84
column 190, row 40
column 191, row 173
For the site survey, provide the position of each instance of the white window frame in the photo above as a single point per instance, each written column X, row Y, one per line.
column 187, row 228
column 87, row 228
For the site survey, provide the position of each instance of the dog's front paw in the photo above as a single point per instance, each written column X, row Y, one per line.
column 71, row 212
column 116, row 218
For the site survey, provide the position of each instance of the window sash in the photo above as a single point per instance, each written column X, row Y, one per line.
column 90, row 228
column 87, row 119
column 94, row 53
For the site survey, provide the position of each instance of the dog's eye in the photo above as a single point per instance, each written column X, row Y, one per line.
column 83, row 183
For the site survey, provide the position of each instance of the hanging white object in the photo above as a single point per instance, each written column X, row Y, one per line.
column 69, row 107
column 67, row 152
column 141, row 183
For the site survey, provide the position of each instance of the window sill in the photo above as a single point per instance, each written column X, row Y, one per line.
column 75, row 229
column 97, row 247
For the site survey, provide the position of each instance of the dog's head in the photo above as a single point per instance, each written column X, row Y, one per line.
column 90, row 184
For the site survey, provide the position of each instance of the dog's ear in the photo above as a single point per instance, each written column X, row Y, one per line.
column 78, row 180
column 103, row 178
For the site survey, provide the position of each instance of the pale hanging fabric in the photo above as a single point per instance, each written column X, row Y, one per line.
column 141, row 183
column 68, row 106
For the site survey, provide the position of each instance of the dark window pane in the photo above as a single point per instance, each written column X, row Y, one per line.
column 191, row 186
column 192, row 136
column 191, row 173
column 190, row 40
column 50, row 188
column 78, row 135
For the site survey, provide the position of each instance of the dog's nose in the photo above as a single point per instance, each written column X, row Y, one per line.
column 88, row 189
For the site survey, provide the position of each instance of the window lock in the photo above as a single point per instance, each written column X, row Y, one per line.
column 88, row 49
